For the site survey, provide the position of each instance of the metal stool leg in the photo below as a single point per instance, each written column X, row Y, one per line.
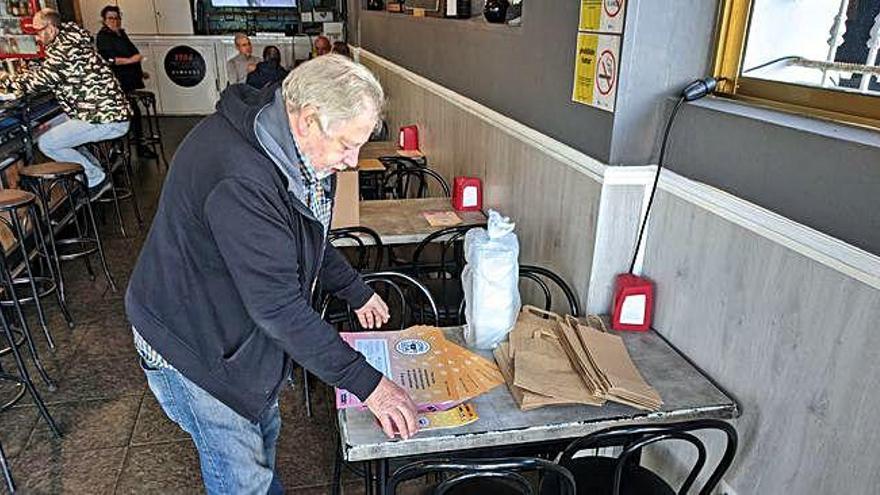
column 103, row 259
column 154, row 119
column 20, row 235
column 25, row 379
column 54, row 270
column 7, row 473
column 128, row 174
column 25, row 328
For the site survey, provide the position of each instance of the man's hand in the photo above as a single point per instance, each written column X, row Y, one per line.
column 374, row 313
column 393, row 408
column 251, row 68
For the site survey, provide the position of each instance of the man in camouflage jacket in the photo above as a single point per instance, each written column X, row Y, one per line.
column 84, row 86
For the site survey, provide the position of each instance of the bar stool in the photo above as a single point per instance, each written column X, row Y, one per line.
column 114, row 155
column 152, row 134
column 55, row 183
column 7, row 472
column 23, row 379
column 19, row 215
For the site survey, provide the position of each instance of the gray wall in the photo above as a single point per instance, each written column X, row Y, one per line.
column 793, row 340
column 823, row 175
column 524, row 73
column 827, row 179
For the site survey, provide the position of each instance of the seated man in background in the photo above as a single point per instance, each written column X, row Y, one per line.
column 239, row 66
column 322, row 45
column 125, row 61
column 341, row 48
column 84, row 86
column 269, row 71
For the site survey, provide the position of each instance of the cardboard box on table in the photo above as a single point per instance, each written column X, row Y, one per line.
column 347, row 204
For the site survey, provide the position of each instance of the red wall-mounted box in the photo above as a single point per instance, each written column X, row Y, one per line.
column 633, row 303
column 467, row 194
column 409, row 138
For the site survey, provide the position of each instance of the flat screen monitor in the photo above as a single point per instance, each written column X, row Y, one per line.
column 286, row 4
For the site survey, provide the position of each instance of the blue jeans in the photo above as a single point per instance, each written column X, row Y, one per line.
column 236, row 456
column 60, row 143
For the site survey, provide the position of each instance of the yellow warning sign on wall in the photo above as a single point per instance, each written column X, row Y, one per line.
column 595, row 70
column 602, row 15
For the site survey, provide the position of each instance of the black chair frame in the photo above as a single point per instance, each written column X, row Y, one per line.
column 399, row 184
column 635, row 438
column 499, row 471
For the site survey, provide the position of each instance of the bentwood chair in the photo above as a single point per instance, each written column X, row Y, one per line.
column 545, row 279
column 485, row 476
column 601, row 475
column 409, row 302
column 412, row 182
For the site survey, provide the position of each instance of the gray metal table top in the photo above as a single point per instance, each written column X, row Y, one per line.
column 686, row 393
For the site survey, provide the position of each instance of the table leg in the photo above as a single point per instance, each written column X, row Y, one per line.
column 368, row 478
column 383, row 476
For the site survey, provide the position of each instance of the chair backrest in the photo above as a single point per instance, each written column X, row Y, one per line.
column 485, row 475
column 635, row 437
column 412, row 182
column 362, row 243
column 540, row 275
column 438, row 260
column 380, row 133
column 537, row 275
column 400, row 292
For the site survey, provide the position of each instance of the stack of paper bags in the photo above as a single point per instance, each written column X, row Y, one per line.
column 550, row 360
column 437, row 373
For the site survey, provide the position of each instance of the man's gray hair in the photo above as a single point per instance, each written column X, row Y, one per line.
column 239, row 35
column 52, row 17
column 337, row 87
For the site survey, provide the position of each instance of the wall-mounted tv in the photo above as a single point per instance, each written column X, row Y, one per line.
column 254, row 4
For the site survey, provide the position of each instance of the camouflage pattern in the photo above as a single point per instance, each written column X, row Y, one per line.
column 80, row 79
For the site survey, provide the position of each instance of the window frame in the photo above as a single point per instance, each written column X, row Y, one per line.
column 841, row 106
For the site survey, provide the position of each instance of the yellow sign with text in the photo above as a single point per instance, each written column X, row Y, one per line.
column 585, row 68
column 605, row 16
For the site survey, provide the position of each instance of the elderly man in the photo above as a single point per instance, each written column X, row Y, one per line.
column 85, row 88
column 239, row 66
column 220, row 297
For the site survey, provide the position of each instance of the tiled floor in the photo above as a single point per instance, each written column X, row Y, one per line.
column 116, row 438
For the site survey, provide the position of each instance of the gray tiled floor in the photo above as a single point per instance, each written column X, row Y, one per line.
column 116, row 438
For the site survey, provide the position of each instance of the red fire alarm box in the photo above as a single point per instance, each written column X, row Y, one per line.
column 409, row 138
column 467, row 194
column 633, row 303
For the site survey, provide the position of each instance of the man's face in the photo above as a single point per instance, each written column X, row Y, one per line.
column 113, row 20
column 333, row 149
column 45, row 32
column 244, row 47
column 322, row 46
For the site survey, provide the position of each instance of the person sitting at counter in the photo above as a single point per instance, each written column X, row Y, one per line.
column 341, row 48
column 84, row 86
column 220, row 297
column 322, row 45
column 239, row 66
column 125, row 61
column 269, row 71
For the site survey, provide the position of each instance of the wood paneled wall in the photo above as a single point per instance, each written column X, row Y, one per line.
column 554, row 205
column 796, row 342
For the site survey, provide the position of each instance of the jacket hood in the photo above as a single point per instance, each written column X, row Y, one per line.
column 239, row 104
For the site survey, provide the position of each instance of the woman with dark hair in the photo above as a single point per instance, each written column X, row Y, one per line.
column 269, row 71
column 125, row 62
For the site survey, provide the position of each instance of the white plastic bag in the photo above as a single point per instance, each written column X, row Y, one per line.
column 491, row 282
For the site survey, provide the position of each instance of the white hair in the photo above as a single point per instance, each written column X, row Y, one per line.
column 338, row 88
column 239, row 36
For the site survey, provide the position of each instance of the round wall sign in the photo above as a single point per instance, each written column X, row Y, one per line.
column 185, row 66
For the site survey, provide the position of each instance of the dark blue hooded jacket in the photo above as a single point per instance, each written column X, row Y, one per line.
column 222, row 286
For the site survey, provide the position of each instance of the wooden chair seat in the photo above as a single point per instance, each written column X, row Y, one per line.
column 51, row 170
column 13, row 198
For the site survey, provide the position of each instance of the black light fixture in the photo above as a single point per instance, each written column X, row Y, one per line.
column 634, row 295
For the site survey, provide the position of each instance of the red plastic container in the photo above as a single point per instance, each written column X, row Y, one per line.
column 409, row 138
column 467, row 194
column 633, row 303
